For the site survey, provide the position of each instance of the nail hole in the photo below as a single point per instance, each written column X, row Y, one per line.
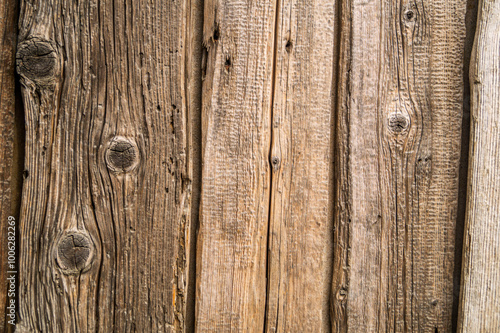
column 228, row 64
column 216, row 33
column 288, row 46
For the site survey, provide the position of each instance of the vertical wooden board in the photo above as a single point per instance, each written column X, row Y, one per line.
column 398, row 146
column 232, row 238
column 8, row 37
column 106, row 200
column 479, row 301
column 300, row 235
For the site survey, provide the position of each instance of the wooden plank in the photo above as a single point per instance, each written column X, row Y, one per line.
column 301, row 215
column 479, row 301
column 8, row 165
column 400, row 109
column 106, row 201
column 232, row 239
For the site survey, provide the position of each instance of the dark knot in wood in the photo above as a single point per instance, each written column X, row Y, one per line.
column 122, row 155
column 74, row 253
column 398, row 123
column 36, row 59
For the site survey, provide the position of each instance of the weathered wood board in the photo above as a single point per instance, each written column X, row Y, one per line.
column 398, row 146
column 105, row 217
column 301, row 211
column 480, row 299
column 9, row 161
column 236, row 127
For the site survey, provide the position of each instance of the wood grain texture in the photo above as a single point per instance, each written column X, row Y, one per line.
column 480, row 299
column 8, row 38
column 105, row 216
column 301, row 221
column 398, row 134
column 236, row 119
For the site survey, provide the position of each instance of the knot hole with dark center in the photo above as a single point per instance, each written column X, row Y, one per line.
column 122, row 155
column 409, row 15
column 74, row 253
column 398, row 123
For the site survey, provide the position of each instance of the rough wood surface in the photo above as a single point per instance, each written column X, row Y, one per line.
column 398, row 126
column 301, row 221
column 105, row 215
column 480, row 294
column 236, row 119
column 8, row 38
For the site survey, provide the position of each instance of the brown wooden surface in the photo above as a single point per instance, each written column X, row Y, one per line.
column 236, row 118
column 301, row 223
column 237, row 165
column 480, row 301
column 105, row 216
column 9, row 156
column 399, row 121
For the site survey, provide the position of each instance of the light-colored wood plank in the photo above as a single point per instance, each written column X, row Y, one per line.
column 106, row 201
column 8, row 162
column 400, row 109
column 301, row 216
column 236, row 118
column 480, row 293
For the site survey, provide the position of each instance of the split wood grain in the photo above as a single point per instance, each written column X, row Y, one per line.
column 398, row 146
column 105, row 215
column 8, row 161
column 236, row 134
column 301, row 215
column 480, row 294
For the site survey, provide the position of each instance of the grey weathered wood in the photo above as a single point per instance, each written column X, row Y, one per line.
column 105, row 218
column 400, row 109
column 8, row 156
column 480, row 299
column 236, row 120
column 301, row 216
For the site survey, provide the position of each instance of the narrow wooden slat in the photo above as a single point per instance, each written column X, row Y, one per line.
column 8, row 23
column 106, row 202
column 400, row 109
column 480, row 294
column 300, row 236
column 232, row 238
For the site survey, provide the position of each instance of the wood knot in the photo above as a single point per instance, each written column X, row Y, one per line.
column 122, row 155
column 36, row 59
column 75, row 252
column 275, row 162
column 398, row 123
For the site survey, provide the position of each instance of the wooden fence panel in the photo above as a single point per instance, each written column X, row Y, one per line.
column 301, row 214
column 399, row 126
column 106, row 200
column 480, row 293
column 232, row 238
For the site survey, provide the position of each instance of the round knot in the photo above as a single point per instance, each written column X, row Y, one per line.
column 122, row 155
column 74, row 252
column 398, row 123
column 36, row 59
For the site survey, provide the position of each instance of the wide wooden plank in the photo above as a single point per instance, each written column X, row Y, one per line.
column 106, row 201
column 480, row 294
column 399, row 125
column 8, row 163
column 301, row 216
column 236, row 118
